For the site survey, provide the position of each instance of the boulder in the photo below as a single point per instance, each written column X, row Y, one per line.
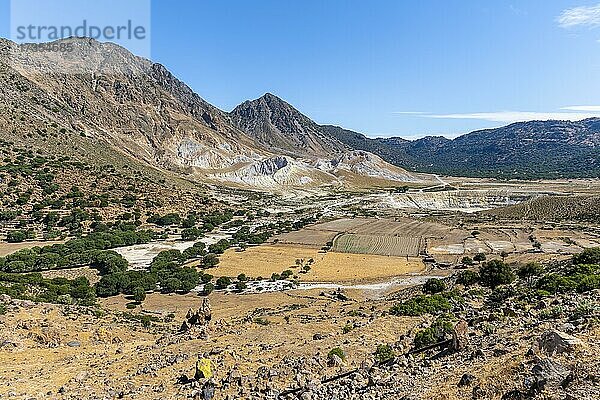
column 335, row 361
column 203, row 369
column 466, row 380
column 460, row 336
column 557, row 342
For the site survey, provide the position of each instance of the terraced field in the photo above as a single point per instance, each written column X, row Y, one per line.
column 341, row 225
column 381, row 245
column 306, row 237
column 402, row 227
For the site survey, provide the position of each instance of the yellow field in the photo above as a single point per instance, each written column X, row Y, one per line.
column 8, row 248
column 344, row 267
column 262, row 260
column 331, row 267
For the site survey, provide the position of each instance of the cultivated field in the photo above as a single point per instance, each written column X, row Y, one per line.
column 382, row 245
column 402, row 227
column 306, row 237
column 341, row 225
column 262, row 261
column 345, row 267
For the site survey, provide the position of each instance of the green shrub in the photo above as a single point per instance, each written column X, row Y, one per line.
column 336, row 351
column 384, row 353
column 433, row 286
column 495, row 273
column 555, row 283
column 223, row 282
column 190, row 234
column 17, row 236
column 552, row 313
column 467, row 278
column 585, row 309
column 501, row 294
column 530, row 269
column 261, row 321
column 588, row 256
column 348, row 328
column 139, row 294
column 434, row 334
column 479, row 257
column 422, row 304
column 208, row 289
column 240, row 286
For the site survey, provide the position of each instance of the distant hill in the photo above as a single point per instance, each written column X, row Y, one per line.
column 281, row 128
column 536, row 149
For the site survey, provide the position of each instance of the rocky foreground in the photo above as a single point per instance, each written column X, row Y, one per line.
column 466, row 342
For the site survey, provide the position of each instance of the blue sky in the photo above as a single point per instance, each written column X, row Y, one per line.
column 384, row 68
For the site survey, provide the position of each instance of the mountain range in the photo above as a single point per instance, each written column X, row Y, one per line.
column 137, row 109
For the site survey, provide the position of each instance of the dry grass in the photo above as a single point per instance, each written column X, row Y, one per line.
column 263, row 260
column 9, row 248
column 341, row 225
column 306, row 237
column 330, row 267
column 344, row 267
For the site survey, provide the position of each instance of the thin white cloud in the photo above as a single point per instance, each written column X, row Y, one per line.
column 582, row 108
column 519, row 116
column 580, row 16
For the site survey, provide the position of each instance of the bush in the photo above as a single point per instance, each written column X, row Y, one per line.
column 530, row 269
column 434, row 334
column 501, row 294
column 208, row 289
column 552, row 313
column 555, row 283
column 384, row 353
column 223, row 282
column 479, row 257
column 18, row 236
column 111, row 285
column 190, row 234
column 139, row 294
column 495, row 273
column 433, row 286
column 261, row 321
column 240, row 286
column 421, row 304
column 336, row 351
column 348, row 328
column 210, row 261
column 467, row 278
column 588, row 256
column 467, row 261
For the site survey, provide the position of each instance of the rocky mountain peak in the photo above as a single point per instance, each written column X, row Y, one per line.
column 280, row 127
